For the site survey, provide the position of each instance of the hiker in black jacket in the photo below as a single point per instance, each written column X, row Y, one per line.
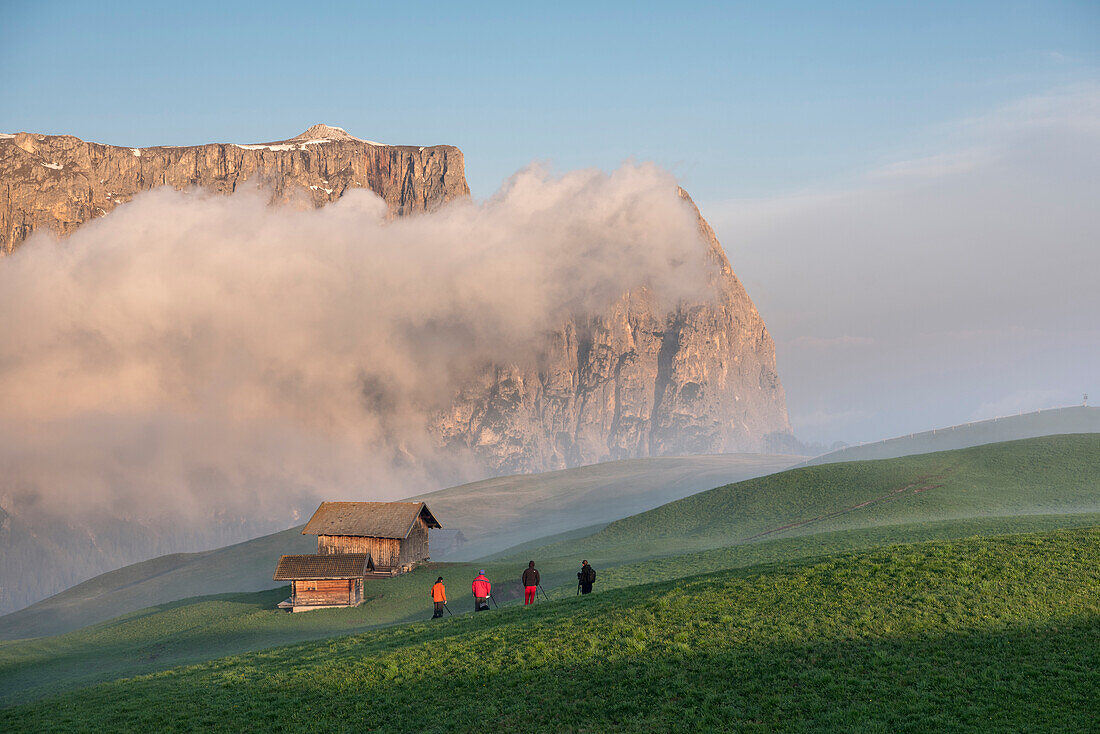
column 531, row 582
column 586, row 577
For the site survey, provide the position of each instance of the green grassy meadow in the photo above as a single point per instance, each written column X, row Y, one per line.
column 936, row 591
column 501, row 512
column 1047, row 422
column 494, row 514
column 981, row 634
column 199, row 629
column 1052, row 475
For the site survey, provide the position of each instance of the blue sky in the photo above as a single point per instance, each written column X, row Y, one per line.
column 815, row 136
column 735, row 98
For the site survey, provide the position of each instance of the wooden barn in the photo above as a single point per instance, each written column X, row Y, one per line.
column 320, row 582
column 394, row 534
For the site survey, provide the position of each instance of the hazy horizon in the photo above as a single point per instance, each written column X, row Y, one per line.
column 957, row 285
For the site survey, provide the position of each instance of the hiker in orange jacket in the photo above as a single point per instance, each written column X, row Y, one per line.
column 482, row 589
column 439, row 596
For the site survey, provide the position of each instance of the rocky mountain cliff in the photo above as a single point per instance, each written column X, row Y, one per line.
column 632, row 382
column 637, row 380
column 59, row 181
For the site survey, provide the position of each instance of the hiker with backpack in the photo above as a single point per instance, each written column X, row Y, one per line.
column 482, row 590
column 439, row 597
column 585, row 578
column 531, row 583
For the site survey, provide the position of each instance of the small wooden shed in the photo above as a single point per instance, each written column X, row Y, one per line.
column 319, row 582
column 394, row 534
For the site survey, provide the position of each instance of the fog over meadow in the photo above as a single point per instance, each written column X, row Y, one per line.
column 193, row 353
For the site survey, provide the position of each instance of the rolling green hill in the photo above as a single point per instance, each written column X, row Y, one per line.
column 245, row 566
column 1056, row 475
column 981, row 634
column 497, row 513
column 1024, row 486
column 1053, row 475
column 494, row 514
column 1052, row 422
column 199, row 629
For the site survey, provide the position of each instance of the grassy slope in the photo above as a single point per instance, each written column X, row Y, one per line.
column 242, row 567
column 804, row 547
column 978, row 635
column 1077, row 419
column 199, row 629
column 493, row 514
column 997, row 479
column 1048, row 476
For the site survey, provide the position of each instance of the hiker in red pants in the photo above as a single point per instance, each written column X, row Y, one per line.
column 530, row 583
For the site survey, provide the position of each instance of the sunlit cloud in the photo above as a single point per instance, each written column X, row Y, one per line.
column 198, row 353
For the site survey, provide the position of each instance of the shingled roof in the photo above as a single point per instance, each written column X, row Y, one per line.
column 368, row 519
column 334, row 566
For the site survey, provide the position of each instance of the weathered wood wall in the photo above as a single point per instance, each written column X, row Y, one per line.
column 415, row 547
column 337, row 591
column 386, row 552
column 383, row 551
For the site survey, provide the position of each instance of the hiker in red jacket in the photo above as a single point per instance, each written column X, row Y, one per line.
column 530, row 583
column 482, row 589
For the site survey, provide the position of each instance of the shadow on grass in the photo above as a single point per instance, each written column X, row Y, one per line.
column 932, row 586
column 1021, row 678
column 256, row 600
column 197, row 629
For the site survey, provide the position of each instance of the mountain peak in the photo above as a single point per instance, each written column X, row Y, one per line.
column 326, row 132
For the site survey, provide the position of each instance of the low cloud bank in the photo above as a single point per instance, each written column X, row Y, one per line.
column 193, row 354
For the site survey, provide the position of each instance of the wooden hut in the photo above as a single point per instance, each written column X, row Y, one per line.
column 319, row 582
column 395, row 534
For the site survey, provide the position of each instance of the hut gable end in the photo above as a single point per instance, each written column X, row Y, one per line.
column 369, row 519
column 315, row 567
column 394, row 534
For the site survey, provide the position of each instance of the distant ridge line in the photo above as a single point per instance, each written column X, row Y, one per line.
column 1028, row 424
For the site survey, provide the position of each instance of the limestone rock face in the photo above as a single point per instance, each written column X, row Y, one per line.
column 59, row 181
column 639, row 379
column 635, row 381
column 632, row 382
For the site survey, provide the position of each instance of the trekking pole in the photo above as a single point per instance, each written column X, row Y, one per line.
column 493, row 599
column 544, row 596
column 578, row 588
column 448, row 609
